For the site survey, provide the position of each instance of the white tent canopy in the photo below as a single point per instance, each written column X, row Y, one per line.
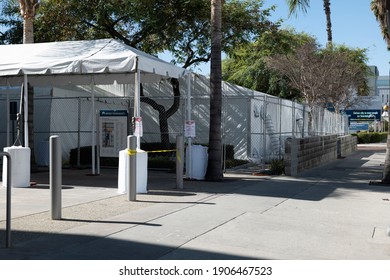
column 77, row 62
column 82, row 63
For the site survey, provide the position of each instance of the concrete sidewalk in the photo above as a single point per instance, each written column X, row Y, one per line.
column 330, row 212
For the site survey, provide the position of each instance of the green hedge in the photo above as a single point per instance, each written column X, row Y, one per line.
column 370, row 137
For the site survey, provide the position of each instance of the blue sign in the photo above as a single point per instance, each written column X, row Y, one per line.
column 113, row 113
column 358, row 126
column 363, row 115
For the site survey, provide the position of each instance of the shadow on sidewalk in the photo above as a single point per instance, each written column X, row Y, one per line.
column 86, row 247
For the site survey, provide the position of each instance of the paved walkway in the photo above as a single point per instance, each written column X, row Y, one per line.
column 330, row 212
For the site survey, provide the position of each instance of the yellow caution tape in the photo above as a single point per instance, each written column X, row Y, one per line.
column 133, row 152
column 161, row 151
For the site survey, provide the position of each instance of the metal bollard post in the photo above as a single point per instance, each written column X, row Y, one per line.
column 55, row 176
column 132, row 167
column 179, row 161
column 8, row 209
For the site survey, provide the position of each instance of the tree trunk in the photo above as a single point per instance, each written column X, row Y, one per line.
column 328, row 23
column 386, row 170
column 28, row 31
column 164, row 114
column 214, row 168
column 28, row 38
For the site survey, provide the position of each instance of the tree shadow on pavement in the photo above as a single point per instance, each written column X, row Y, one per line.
column 86, row 247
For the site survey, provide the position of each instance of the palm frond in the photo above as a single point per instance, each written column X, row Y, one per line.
column 296, row 5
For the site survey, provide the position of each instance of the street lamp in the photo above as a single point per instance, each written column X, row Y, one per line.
column 385, row 116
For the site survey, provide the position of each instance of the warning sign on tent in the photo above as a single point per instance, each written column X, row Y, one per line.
column 113, row 132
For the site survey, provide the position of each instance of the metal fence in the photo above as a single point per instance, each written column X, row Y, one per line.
column 253, row 123
column 273, row 120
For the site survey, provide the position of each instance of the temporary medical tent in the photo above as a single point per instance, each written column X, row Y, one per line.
column 80, row 63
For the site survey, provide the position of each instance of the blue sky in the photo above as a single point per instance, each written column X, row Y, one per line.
column 353, row 24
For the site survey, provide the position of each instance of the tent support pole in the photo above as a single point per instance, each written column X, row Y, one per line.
column 97, row 143
column 93, row 129
column 189, row 109
column 25, row 99
column 7, row 93
column 137, row 99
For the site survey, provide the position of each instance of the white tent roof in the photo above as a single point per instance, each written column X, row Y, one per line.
column 80, row 62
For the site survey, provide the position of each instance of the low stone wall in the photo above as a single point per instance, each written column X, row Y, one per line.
column 346, row 145
column 305, row 153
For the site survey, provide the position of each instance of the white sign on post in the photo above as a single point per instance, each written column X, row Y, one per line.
column 138, row 130
column 113, row 132
column 189, row 129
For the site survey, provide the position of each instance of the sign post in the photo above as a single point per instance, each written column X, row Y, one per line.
column 55, row 177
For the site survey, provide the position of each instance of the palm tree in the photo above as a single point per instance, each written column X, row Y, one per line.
column 295, row 5
column 214, row 168
column 381, row 10
column 28, row 10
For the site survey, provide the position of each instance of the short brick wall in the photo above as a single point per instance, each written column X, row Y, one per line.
column 305, row 153
column 346, row 145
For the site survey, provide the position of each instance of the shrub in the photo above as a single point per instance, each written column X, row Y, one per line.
column 164, row 162
column 277, row 166
column 370, row 137
column 235, row 162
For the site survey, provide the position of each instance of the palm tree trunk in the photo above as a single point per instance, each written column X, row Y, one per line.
column 328, row 23
column 385, row 6
column 386, row 170
column 214, row 168
column 28, row 38
column 28, row 9
column 381, row 10
column 28, row 31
